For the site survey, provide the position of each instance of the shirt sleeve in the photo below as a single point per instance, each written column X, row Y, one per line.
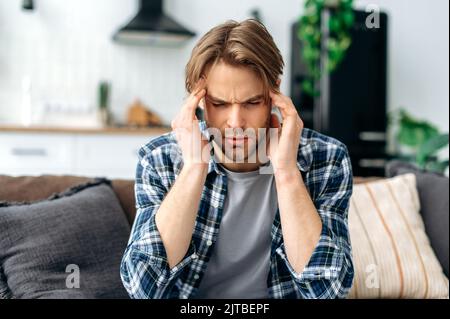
column 144, row 269
column 329, row 272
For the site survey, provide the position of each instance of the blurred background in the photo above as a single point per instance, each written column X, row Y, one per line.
column 83, row 84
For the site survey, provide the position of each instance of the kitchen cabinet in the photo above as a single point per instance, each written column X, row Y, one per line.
column 111, row 154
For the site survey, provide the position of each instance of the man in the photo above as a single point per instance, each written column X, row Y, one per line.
column 226, row 208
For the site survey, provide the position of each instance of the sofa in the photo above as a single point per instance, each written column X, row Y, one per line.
column 92, row 247
column 82, row 233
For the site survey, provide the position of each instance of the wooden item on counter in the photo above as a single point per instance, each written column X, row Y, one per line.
column 140, row 115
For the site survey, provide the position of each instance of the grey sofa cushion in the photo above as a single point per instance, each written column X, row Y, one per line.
column 81, row 229
column 5, row 293
column 433, row 192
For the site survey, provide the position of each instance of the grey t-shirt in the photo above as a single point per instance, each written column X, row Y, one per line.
column 239, row 265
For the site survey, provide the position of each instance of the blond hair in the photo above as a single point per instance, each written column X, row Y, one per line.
column 246, row 43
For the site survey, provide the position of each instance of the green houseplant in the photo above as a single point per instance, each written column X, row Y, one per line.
column 419, row 141
column 341, row 19
column 103, row 103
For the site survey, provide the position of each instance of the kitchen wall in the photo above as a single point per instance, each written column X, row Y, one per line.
column 65, row 48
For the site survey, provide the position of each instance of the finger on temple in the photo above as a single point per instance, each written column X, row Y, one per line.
column 193, row 102
column 200, row 85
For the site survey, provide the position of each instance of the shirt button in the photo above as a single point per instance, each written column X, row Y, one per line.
column 196, row 276
column 194, row 256
column 209, row 243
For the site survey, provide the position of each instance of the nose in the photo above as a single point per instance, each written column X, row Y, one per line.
column 236, row 117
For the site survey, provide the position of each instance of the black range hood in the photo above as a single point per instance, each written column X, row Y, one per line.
column 152, row 27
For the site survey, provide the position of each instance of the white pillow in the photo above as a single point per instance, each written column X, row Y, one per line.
column 391, row 251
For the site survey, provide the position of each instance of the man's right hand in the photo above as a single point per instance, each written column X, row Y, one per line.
column 175, row 218
column 194, row 146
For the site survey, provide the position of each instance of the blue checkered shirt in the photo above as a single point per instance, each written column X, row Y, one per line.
column 325, row 166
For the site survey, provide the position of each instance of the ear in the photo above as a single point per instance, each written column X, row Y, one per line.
column 278, row 83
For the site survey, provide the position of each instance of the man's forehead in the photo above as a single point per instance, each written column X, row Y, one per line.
column 227, row 83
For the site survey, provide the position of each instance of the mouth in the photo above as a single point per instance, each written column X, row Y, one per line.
column 236, row 140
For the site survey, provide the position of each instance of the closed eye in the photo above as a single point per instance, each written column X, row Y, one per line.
column 254, row 103
column 219, row 104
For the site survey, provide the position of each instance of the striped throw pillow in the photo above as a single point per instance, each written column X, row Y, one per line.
column 391, row 251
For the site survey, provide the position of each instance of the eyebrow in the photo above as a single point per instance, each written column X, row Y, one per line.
column 216, row 99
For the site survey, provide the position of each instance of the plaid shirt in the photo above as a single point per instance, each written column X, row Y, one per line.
column 325, row 166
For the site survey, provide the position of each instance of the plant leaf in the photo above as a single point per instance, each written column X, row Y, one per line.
column 413, row 132
column 438, row 167
column 431, row 147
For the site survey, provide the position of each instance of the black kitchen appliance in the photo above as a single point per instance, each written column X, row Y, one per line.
column 352, row 105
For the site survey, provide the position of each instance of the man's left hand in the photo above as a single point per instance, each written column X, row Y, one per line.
column 283, row 152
